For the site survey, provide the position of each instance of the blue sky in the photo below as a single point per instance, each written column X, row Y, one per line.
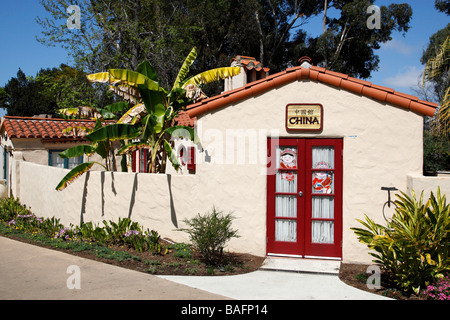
column 399, row 66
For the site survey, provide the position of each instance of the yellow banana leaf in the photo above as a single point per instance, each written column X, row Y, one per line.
column 124, row 77
column 213, row 75
column 83, row 112
column 134, row 114
column 77, row 131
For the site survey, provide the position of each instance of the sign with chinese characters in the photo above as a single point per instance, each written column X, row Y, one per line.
column 304, row 117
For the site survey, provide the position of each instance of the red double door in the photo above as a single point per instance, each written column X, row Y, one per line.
column 304, row 197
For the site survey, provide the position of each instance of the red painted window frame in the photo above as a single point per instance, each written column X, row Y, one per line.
column 143, row 155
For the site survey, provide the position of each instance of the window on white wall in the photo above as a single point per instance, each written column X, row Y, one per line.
column 55, row 160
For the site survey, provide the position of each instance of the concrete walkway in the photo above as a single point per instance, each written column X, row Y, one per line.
column 32, row 272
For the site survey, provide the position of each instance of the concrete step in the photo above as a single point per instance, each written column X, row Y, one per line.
column 289, row 264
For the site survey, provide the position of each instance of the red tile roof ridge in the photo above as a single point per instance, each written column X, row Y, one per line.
column 35, row 127
column 46, row 119
column 319, row 74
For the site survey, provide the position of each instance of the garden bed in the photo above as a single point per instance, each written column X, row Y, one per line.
column 125, row 244
column 177, row 259
column 180, row 259
column 355, row 275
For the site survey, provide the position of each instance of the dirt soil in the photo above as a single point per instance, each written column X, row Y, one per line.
column 356, row 276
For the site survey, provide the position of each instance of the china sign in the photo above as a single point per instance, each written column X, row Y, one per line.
column 304, row 117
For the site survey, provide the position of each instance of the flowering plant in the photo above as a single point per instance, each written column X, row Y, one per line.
column 65, row 234
column 439, row 290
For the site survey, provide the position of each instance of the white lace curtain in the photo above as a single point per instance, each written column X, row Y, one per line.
column 286, row 205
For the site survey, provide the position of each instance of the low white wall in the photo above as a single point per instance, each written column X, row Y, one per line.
column 156, row 201
column 420, row 183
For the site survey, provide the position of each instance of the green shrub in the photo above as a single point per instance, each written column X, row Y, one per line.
column 209, row 234
column 116, row 231
column 414, row 245
column 10, row 208
column 51, row 227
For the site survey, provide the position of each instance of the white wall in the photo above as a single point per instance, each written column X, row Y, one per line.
column 382, row 146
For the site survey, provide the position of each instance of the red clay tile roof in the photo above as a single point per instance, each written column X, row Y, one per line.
column 336, row 79
column 249, row 63
column 45, row 128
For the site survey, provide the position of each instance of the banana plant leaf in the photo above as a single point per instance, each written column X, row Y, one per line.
column 124, row 76
column 149, row 123
column 77, row 151
column 117, row 107
column 212, row 75
column 183, row 132
column 184, row 70
column 147, row 70
column 171, row 154
column 77, row 131
column 129, row 148
column 133, row 114
column 83, row 112
column 127, row 92
column 74, row 174
column 114, row 132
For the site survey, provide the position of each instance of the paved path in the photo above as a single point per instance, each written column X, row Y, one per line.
column 32, row 272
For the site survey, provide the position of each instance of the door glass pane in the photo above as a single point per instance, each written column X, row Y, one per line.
column 286, row 181
column 323, row 182
column 323, row 157
column 322, row 232
column 286, row 230
column 323, row 207
column 286, row 206
column 286, row 157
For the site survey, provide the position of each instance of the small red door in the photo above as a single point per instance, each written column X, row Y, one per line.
column 304, row 197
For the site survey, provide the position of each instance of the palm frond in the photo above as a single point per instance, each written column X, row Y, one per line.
column 439, row 64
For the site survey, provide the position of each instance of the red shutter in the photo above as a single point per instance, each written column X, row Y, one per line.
column 191, row 159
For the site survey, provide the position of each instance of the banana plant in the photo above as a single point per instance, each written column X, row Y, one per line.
column 147, row 117
column 102, row 147
column 101, row 144
column 155, row 107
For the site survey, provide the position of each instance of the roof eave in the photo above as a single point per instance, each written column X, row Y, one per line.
column 336, row 79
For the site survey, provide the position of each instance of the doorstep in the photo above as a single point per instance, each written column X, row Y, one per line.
column 289, row 264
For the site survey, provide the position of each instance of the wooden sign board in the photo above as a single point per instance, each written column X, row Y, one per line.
column 304, row 117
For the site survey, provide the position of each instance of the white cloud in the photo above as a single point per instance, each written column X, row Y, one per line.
column 406, row 78
column 399, row 47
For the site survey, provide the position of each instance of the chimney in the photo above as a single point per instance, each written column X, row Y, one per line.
column 251, row 70
column 305, row 62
